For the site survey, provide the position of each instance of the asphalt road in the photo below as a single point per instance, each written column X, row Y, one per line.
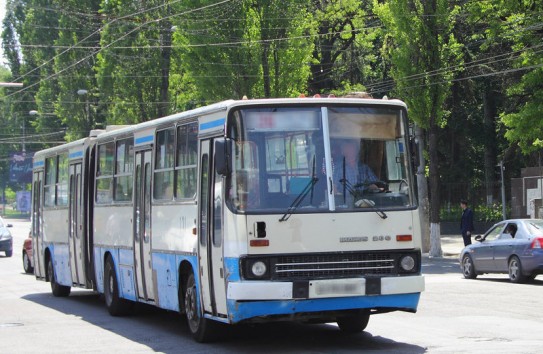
column 487, row 315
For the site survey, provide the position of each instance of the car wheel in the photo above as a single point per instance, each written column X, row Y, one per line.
column 515, row 270
column 202, row 329
column 26, row 264
column 9, row 253
column 57, row 289
column 116, row 305
column 354, row 323
column 468, row 269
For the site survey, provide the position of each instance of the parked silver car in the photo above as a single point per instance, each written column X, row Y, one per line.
column 6, row 241
column 512, row 246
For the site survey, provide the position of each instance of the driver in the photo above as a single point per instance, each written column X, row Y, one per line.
column 357, row 174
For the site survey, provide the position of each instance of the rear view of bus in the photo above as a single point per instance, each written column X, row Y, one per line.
column 319, row 220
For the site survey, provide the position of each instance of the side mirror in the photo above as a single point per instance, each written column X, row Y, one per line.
column 223, row 156
column 478, row 238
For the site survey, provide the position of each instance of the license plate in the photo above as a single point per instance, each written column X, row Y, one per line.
column 336, row 287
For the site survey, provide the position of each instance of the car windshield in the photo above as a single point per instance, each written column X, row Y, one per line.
column 495, row 232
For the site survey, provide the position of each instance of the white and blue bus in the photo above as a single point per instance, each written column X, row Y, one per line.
column 242, row 211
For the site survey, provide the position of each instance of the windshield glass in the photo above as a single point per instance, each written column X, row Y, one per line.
column 319, row 159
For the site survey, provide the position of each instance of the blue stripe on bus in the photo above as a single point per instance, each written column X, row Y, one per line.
column 238, row 311
column 75, row 155
column 144, row 139
column 232, row 268
column 38, row 164
column 166, row 267
column 212, row 124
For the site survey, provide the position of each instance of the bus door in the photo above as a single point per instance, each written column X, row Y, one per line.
column 143, row 268
column 210, row 243
column 37, row 235
column 77, row 247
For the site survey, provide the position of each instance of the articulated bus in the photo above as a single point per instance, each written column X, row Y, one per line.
column 238, row 212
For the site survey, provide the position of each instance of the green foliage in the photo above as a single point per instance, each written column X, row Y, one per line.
column 481, row 213
column 454, row 63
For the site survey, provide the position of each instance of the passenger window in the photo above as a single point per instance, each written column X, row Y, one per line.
column 164, row 164
column 187, row 156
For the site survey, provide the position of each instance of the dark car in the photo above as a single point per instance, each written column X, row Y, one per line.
column 27, row 255
column 511, row 246
column 6, row 241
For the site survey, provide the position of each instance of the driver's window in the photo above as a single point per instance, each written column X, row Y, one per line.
column 494, row 233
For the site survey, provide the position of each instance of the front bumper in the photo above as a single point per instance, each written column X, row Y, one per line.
column 6, row 245
column 251, row 300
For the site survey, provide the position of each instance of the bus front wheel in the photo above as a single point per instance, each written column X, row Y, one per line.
column 355, row 322
column 202, row 329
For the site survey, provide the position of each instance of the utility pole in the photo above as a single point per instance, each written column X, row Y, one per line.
column 503, row 191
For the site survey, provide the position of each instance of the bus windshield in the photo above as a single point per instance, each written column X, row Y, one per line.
column 319, row 159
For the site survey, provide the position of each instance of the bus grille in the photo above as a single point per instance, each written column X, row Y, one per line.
column 334, row 265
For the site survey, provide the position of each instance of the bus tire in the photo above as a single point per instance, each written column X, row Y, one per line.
column 355, row 322
column 202, row 329
column 116, row 305
column 26, row 264
column 57, row 289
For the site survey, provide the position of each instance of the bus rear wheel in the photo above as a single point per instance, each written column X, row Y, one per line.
column 116, row 305
column 355, row 322
column 57, row 289
column 202, row 329
column 26, row 264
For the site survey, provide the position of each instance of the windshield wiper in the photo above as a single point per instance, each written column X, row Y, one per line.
column 300, row 197
column 368, row 203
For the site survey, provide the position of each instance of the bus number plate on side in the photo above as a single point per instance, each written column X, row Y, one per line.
column 337, row 287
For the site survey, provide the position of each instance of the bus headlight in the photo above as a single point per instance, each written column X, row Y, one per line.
column 259, row 269
column 407, row 263
column 255, row 268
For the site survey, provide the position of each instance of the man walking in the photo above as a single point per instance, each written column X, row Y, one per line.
column 466, row 222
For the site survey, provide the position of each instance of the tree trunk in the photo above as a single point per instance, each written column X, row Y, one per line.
column 422, row 185
column 165, row 68
column 435, row 230
column 489, row 115
column 266, row 69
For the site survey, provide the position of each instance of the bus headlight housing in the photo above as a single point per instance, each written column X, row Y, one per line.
column 407, row 263
column 255, row 268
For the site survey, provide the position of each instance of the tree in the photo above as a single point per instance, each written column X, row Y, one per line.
column 523, row 120
column 341, row 55
column 422, row 48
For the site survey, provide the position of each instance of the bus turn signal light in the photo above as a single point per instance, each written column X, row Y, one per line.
column 259, row 243
column 404, row 238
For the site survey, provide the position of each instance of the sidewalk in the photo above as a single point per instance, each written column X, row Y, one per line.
column 451, row 246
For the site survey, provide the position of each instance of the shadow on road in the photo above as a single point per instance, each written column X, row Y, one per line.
column 440, row 266
column 155, row 329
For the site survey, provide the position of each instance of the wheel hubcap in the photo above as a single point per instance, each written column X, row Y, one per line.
column 467, row 266
column 190, row 306
column 513, row 269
